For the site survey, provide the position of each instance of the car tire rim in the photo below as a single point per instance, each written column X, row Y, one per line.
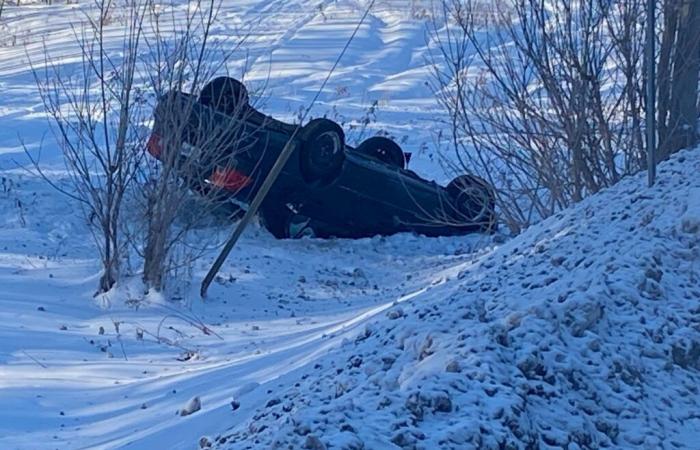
column 471, row 199
column 326, row 148
column 389, row 157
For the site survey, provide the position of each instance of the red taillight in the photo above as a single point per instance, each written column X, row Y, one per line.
column 154, row 146
column 229, row 179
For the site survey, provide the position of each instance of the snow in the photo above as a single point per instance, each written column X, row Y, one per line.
column 276, row 307
column 583, row 331
column 690, row 221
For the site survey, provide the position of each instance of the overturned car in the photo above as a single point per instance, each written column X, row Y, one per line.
column 223, row 147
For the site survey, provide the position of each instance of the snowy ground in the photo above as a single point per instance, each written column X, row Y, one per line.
column 68, row 379
column 581, row 332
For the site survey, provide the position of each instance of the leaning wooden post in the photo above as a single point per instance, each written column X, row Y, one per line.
column 252, row 210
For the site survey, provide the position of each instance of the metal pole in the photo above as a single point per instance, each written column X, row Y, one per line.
column 651, row 91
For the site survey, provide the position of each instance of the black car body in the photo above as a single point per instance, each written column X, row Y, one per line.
column 326, row 186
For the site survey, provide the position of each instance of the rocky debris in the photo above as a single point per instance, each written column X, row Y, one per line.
column 556, row 339
column 273, row 402
column 192, row 406
column 686, row 353
column 404, row 440
column 314, row 443
column 453, row 366
column 441, row 403
column 395, row 313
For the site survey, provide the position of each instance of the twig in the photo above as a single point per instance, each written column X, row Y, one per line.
column 119, row 338
column 35, row 360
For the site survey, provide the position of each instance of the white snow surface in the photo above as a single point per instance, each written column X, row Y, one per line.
column 583, row 332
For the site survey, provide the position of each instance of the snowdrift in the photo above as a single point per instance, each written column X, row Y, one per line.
column 584, row 332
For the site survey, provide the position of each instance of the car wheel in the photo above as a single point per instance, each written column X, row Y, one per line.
column 383, row 149
column 225, row 94
column 475, row 201
column 322, row 150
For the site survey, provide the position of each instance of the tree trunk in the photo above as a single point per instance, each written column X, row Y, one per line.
column 154, row 264
column 678, row 77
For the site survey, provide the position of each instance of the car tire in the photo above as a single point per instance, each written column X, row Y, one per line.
column 322, row 150
column 383, row 149
column 225, row 94
column 475, row 201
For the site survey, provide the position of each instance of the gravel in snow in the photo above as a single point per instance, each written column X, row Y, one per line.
column 583, row 332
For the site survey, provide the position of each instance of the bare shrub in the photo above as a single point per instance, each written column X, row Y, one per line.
column 193, row 145
column 544, row 98
column 92, row 112
column 100, row 114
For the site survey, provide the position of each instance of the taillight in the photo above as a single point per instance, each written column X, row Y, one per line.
column 229, row 179
column 154, row 145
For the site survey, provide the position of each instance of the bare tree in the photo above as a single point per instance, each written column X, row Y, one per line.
column 92, row 113
column 537, row 104
column 679, row 70
column 100, row 112
column 192, row 146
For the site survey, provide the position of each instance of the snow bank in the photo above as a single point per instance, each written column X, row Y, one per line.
column 581, row 333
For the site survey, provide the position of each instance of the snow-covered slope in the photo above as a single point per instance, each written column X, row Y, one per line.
column 584, row 332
